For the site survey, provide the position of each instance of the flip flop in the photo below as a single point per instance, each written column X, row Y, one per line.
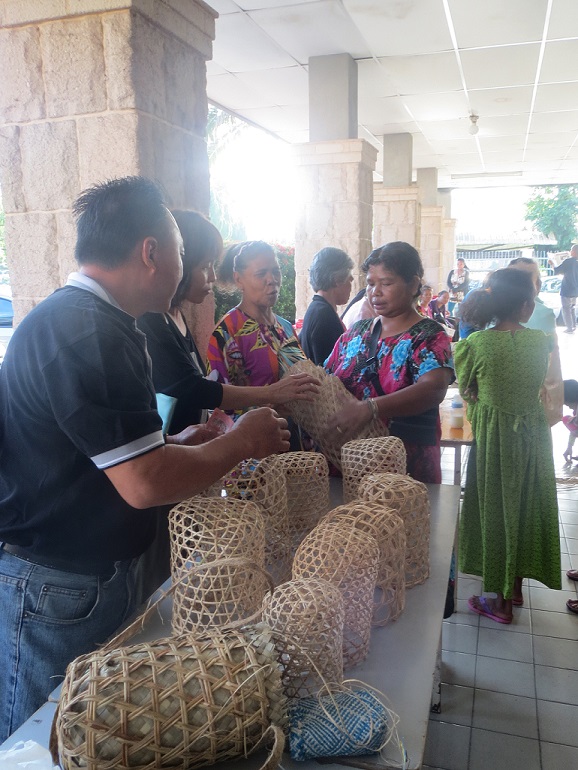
column 483, row 608
column 572, row 574
column 572, row 605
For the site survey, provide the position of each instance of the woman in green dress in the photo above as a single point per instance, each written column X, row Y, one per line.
column 509, row 521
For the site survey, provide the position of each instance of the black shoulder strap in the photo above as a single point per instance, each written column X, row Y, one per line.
column 371, row 358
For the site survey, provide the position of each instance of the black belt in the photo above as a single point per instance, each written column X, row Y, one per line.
column 64, row 565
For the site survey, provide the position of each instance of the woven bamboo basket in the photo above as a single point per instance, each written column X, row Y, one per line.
column 263, row 482
column 313, row 416
column 179, row 703
column 210, row 532
column 348, row 558
column 389, row 532
column 409, row 499
column 306, row 617
column 385, row 454
column 307, row 477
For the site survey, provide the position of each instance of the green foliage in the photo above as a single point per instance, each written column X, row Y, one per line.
column 554, row 212
column 285, row 306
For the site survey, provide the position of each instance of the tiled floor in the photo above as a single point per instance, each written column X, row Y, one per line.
column 510, row 693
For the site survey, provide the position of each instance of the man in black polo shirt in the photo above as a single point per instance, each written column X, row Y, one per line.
column 83, row 462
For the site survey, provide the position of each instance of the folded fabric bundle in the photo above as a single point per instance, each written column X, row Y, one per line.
column 340, row 724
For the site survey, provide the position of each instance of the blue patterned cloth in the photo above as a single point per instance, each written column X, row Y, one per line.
column 357, row 724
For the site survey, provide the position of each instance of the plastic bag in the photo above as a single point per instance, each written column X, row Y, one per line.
column 27, row 754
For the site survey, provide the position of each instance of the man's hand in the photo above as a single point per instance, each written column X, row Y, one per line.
column 264, row 432
column 295, row 387
column 193, row 436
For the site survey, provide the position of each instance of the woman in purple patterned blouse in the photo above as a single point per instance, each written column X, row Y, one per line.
column 398, row 365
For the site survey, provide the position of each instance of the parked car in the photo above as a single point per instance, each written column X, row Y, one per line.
column 6, row 311
column 550, row 296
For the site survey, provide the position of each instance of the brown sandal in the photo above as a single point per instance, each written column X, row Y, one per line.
column 572, row 605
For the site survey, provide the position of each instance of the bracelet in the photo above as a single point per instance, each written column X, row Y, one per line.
column 373, row 408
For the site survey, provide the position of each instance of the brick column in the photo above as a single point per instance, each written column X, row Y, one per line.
column 396, row 215
column 336, row 206
column 93, row 90
column 431, row 249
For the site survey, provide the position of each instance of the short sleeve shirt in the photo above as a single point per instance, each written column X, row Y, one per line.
column 76, row 397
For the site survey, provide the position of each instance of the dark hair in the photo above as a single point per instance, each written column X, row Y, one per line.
column 570, row 392
column 112, row 217
column 443, row 291
column 522, row 261
column 202, row 241
column 329, row 268
column 461, row 259
column 398, row 257
column 236, row 258
column 507, row 291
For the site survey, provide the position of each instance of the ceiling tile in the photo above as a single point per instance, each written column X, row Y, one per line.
column 230, row 92
column 425, row 74
column 496, row 22
column 503, row 125
column 458, row 145
column 554, row 121
column 289, row 85
column 214, row 69
column 435, row 107
column 401, row 27
column 257, row 5
column 382, row 111
column 501, row 101
column 277, row 118
column 313, row 29
column 556, row 63
column 551, row 140
column 373, row 81
column 554, row 97
column 223, row 6
column 563, row 19
column 496, row 143
column 240, row 46
column 509, row 65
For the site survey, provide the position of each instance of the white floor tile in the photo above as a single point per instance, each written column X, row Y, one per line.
column 572, row 544
column 556, row 756
column 507, row 676
column 502, row 713
column 494, row 644
column 459, row 638
column 503, row 752
column 457, row 705
column 561, row 653
column 558, row 722
column 557, row 684
column 447, row 746
column 521, row 622
column 563, row 626
column 547, row 599
column 464, row 615
column 458, row 668
column 571, row 530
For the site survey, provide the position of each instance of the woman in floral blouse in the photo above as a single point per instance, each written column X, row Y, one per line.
column 399, row 365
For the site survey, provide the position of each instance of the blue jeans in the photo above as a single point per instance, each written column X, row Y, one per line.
column 48, row 618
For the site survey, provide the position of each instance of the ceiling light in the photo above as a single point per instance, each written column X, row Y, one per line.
column 474, row 128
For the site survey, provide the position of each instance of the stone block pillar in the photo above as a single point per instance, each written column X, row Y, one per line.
column 431, row 245
column 449, row 247
column 396, row 215
column 336, row 206
column 93, row 90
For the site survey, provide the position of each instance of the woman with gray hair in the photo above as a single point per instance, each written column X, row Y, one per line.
column 331, row 278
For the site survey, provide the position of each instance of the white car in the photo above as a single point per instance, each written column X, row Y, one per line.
column 550, row 295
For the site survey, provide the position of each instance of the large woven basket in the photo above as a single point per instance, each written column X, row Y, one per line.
column 385, row 454
column 389, row 532
column 307, row 478
column 263, row 482
column 348, row 558
column 314, row 416
column 226, row 539
column 179, row 703
column 409, row 499
column 306, row 617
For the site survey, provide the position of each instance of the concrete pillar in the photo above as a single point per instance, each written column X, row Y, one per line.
column 431, row 245
column 449, row 247
column 92, row 90
column 396, row 215
column 397, row 160
column 336, row 206
column 332, row 97
column 427, row 181
column 445, row 200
